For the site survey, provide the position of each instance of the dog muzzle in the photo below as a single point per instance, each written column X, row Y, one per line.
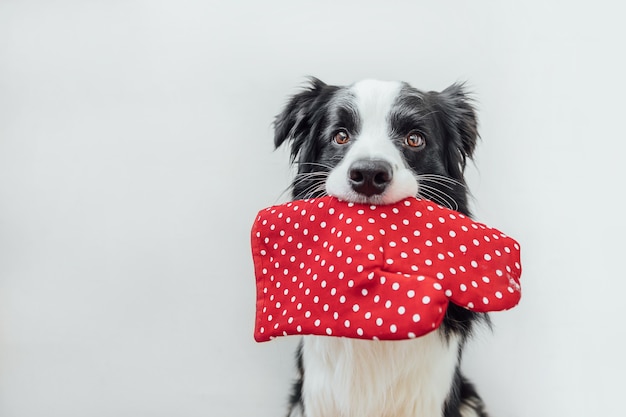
column 328, row 267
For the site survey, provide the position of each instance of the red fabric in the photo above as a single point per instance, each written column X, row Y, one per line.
column 328, row 267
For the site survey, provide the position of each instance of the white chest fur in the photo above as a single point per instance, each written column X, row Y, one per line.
column 361, row 378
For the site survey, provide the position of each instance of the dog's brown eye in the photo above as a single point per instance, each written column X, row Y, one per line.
column 341, row 137
column 414, row 140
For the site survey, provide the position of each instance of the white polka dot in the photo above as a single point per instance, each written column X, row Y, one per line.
column 437, row 286
column 393, row 328
column 463, row 287
column 487, row 257
column 317, row 322
column 410, row 293
column 416, row 318
column 388, row 304
column 376, row 298
column 395, row 286
column 346, row 323
column 448, row 293
column 329, row 331
column 485, row 300
column 368, row 315
column 355, row 308
column 498, row 295
column 401, row 310
column 359, row 268
column 342, row 299
column 371, row 256
column 426, row 300
column 379, row 321
column 351, row 283
column 359, row 331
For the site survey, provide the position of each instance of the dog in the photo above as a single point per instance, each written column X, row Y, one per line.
column 379, row 142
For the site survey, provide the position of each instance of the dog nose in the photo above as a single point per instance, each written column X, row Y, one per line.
column 370, row 177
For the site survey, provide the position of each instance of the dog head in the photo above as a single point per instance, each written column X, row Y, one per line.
column 379, row 142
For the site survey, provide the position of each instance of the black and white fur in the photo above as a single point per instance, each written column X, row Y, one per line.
column 379, row 142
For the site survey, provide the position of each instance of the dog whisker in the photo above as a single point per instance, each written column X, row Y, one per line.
column 440, row 179
column 438, row 196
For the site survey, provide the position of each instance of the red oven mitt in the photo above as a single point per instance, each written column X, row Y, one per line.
column 327, row 267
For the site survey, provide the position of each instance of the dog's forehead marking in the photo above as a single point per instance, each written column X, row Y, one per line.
column 374, row 99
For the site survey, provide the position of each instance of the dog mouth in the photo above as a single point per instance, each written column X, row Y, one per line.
column 372, row 181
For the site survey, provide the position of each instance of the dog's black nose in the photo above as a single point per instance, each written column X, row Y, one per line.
column 370, row 177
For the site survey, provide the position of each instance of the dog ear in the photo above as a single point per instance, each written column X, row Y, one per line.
column 458, row 118
column 296, row 120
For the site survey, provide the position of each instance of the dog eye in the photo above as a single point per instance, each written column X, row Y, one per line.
column 414, row 140
column 341, row 137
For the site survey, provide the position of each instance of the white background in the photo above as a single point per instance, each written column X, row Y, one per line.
column 136, row 148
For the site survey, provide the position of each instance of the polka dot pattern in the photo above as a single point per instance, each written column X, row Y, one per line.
column 328, row 267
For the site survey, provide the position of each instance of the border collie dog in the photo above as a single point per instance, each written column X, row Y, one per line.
column 379, row 142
